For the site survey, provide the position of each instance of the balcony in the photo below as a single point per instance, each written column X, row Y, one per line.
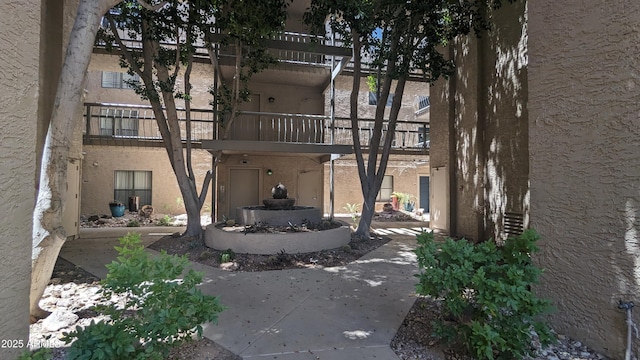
column 135, row 125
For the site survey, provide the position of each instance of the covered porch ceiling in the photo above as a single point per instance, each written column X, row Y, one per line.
column 319, row 152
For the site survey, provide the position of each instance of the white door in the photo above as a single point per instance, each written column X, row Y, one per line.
column 439, row 195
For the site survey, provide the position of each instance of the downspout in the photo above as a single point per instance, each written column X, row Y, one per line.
column 453, row 183
column 631, row 327
column 332, row 112
column 214, row 159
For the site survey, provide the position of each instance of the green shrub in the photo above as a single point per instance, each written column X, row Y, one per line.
column 165, row 221
column 488, row 304
column 40, row 354
column 227, row 256
column 133, row 223
column 164, row 307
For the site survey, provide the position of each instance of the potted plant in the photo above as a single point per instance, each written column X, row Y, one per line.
column 117, row 208
column 402, row 199
column 410, row 203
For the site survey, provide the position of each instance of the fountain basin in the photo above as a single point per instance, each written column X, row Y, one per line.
column 216, row 237
column 248, row 215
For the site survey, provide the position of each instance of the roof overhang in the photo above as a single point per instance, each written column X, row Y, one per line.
column 319, row 152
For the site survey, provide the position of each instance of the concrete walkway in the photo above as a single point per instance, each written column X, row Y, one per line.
column 349, row 312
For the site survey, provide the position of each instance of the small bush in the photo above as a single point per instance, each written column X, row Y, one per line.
column 486, row 293
column 133, row 223
column 352, row 209
column 227, row 256
column 165, row 221
column 163, row 308
column 40, row 354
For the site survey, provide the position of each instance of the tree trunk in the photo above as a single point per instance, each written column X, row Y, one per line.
column 372, row 175
column 366, row 217
column 48, row 232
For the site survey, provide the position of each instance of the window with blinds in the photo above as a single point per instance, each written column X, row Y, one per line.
column 386, row 189
column 117, row 80
column 129, row 183
column 118, row 122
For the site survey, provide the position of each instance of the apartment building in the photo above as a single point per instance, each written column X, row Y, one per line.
column 285, row 134
column 567, row 160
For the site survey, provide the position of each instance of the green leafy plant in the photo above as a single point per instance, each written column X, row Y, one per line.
column 163, row 307
column 486, row 293
column 353, row 210
column 165, row 221
column 133, row 223
column 403, row 198
column 40, row 354
column 227, row 256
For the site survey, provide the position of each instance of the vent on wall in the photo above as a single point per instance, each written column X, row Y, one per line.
column 513, row 223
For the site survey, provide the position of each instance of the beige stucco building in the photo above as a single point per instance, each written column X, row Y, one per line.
column 290, row 104
column 539, row 126
column 20, row 79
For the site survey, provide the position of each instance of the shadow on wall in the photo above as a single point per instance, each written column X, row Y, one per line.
column 506, row 135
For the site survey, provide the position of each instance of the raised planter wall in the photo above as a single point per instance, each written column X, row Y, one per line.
column 266, row 243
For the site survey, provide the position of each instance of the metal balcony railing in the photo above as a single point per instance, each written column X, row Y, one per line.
column 409, row 135
column 278, row 127
column 137, row 122
column 107, row 123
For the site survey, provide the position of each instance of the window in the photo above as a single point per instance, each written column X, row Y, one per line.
column 117, row 80
column 118, row 122
column 132, row 183
column 373, row 99
column 385, row 189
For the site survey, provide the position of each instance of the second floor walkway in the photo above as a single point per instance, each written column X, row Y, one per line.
column 135, row 125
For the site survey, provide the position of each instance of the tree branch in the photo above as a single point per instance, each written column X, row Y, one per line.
column 123, row 47
column 187, row 105
column 205, row 188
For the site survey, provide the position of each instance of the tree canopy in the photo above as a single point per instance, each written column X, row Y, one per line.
column 393, row 40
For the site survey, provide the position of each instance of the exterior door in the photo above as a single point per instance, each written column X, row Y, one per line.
column 424, row 193
column 310, row 187
column 244, row 189
column 439, row 199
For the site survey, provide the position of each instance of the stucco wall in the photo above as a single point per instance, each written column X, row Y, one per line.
column 504, row 108
column 19, row 77
column 585, row 170
column 99, row 165
column 405, row 169
column 479, row 127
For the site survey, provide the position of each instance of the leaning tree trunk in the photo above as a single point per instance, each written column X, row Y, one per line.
column 48, row 232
